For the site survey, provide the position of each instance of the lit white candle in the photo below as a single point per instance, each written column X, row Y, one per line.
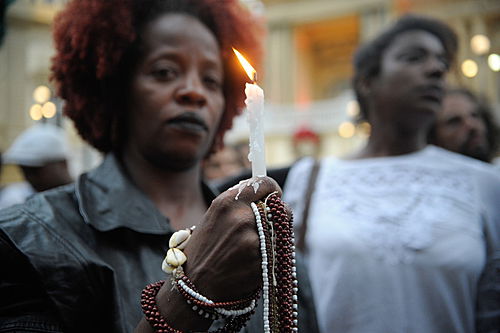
column 255, row 116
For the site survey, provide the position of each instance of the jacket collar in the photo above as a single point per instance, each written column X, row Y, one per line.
column 108, row 200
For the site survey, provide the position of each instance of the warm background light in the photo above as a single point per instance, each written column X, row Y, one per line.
column 469, row 68
column 352, row 108
column 365, row 128
column 49, row 110
column 494, row 62
column 346, row 129
column 36, row 112
column 41, row 94
column 480, row 44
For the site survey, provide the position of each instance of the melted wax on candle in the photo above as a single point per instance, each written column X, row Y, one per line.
column 254, row 182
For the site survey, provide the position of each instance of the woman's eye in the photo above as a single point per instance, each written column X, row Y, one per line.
column 164, row 74
column 213, row 82
column 453, row 121
column 476, row 115
column 413, row 57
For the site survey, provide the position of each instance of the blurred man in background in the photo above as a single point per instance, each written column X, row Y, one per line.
column 222, row 164
column 306, row 142
column 465, row 125
column 41, row 153
column 13, row 193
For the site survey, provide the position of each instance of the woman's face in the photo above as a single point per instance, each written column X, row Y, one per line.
column 176, row 99
column 410, row 84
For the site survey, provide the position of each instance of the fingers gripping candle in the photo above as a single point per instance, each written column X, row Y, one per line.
column 255, row 116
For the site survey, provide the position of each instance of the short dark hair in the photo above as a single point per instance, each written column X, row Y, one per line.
column 98, row 41
column 486, row 114
column 368, row 57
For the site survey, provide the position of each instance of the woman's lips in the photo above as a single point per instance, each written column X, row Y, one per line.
column 189, row 121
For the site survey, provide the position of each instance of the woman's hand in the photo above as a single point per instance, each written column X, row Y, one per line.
column 223, row 255
column 224, row 260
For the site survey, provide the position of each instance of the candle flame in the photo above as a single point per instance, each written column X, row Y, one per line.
column 251, row 72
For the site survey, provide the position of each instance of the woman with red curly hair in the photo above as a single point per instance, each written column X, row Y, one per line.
column 153, row 85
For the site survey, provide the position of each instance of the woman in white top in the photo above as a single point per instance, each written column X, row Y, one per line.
column 402, row 236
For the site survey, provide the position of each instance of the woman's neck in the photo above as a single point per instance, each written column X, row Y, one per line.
column 392, row 141
column 178, row 195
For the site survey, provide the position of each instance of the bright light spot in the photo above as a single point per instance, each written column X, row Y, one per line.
column 365, row 128
column 36, row 112
column 494, row 62
column 352, row 108
column 49, row 110
column 41, row 94
column 480, row 44
column 469, row 68
column 346, row 129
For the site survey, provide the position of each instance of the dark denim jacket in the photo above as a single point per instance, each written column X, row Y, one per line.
column 76, row 258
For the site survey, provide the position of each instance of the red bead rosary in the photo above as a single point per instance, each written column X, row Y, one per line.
column 281, row 286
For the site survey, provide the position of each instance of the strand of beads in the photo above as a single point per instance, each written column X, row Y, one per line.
column 285, row 257
column 211, row 309
column 264, row 250
column 280, row 285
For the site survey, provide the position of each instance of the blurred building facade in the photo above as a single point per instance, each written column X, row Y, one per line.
column 307, row 71
column 26, row 92
column 310, row 44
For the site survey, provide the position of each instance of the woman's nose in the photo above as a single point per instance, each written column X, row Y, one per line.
column 436, row 67
column 192, row 90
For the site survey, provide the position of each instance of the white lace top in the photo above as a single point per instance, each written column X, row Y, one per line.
column 396, row 244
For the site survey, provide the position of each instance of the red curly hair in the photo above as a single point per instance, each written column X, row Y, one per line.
column 97, row 40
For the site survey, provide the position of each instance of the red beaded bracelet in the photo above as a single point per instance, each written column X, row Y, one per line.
column 160, row 325
column 151, row 310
